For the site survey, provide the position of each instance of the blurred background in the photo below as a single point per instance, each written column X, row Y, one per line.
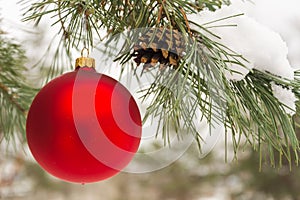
column 189, row 178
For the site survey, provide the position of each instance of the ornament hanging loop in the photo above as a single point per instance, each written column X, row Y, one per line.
column 85, row 52
column 85, row 60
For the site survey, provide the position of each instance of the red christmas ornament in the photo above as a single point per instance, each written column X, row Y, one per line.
column 83, row 126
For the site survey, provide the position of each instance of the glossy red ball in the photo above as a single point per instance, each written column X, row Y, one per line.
column 83, row 126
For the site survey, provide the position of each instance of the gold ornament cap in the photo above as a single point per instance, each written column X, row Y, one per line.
column 85, row 60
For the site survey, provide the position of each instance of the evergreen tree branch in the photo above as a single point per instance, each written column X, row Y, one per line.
column 15, row 93
column 247, row 108
column 259, row 115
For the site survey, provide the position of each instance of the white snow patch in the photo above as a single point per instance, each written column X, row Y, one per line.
column 263, row 48
column 282, row 17
column 285, row 96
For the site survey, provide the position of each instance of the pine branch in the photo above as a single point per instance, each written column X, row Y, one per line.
column 15, row 93
column 247, row 108
column 259, row 115
column 12, row 98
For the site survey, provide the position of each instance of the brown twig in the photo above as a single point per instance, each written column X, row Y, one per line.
column 103, row 3
column 186, row 21
column 66, row 33
column 160, row 11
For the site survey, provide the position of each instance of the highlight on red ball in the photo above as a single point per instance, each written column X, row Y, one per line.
column 114, row 120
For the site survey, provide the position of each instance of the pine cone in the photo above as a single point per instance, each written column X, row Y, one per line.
column 159, row 46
